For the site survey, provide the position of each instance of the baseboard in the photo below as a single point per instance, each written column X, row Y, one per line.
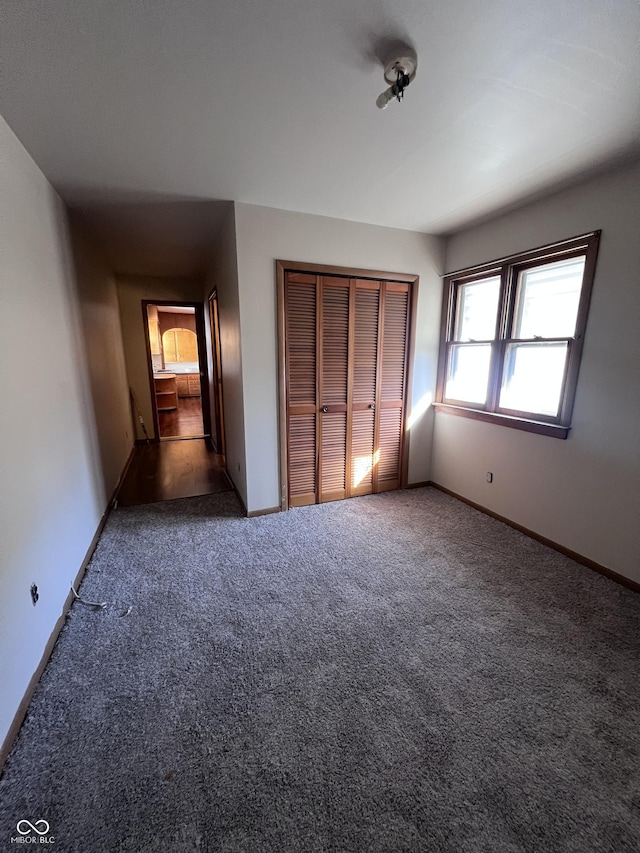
column 573, row 555
column 235, row 489
column 419, row 485
column 23, row 707
column 256, row 512
column 113, row 500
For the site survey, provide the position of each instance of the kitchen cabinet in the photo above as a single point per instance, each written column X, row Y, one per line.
column 180, row 345
column 166, row 391
column 188, row 384
column 154, row 331
column 182, row 383
column 194, row 384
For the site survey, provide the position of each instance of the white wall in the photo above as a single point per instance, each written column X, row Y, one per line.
column 103, row 356
column 223, row 275
column 53, row 484
column 131, row 291
column 583, row 493
column 264, row 235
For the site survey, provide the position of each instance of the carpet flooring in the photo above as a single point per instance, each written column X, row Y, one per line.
column 392, row 673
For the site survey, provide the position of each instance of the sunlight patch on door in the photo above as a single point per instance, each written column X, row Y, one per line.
column 363, row 466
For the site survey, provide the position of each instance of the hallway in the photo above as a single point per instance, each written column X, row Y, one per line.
column 166, row 470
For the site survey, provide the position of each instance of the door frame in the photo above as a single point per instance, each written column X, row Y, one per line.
column 282, row 267
column 216, row 361
column 202, row 359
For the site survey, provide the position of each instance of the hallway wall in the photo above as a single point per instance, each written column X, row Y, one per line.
column 223, row 275
column 103, row 356
column 57, row 468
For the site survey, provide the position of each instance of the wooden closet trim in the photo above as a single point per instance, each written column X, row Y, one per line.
column 350, row 351
column 344, row 272
column 282, row 267
column 378, row 397
column 319, row 386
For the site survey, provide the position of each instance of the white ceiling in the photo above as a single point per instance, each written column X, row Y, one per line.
column 175, row 309
column 273, row 103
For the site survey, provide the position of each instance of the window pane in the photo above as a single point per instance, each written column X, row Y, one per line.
column 547, row 300
column 468, row 373
column 533, row 375
column 477, row 309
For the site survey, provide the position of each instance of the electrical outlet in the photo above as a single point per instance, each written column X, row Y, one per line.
column 34, row 594
column 489, row 477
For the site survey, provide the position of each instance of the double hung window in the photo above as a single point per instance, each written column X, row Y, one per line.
column 512, row 334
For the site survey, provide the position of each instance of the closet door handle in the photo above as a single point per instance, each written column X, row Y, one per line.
column 324, row 409
column 372, row 406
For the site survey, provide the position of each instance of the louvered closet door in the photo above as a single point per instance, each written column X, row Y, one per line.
column 333, row 379
column 363, row 455
column 346, row 356
column 300, row 342
column 391, row 385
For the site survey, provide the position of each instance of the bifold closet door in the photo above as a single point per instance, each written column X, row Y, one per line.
column 301, row 387
column 346, row 354
column 333, row 357
column 394, row 322
column 362, row 451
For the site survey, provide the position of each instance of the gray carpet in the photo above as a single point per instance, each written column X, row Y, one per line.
column 392, row 673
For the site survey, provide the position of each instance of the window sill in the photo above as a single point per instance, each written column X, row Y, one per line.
column 538, row 427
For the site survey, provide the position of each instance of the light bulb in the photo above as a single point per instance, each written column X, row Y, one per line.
column 382, row 101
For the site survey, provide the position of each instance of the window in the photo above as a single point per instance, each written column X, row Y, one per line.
column 512, row 335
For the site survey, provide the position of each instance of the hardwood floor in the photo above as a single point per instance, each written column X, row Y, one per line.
column 165, row 470
column 186, row 420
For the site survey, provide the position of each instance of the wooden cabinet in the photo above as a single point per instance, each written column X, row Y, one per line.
column 180, row 345
column 154, row 331
column 194, row 384
column 166, row 391
column 188, row 384
column 182, row 383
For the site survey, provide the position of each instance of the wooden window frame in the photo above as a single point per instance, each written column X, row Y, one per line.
column 509, row 270
column 281, row 268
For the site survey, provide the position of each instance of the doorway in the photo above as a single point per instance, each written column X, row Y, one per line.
column 177, row 369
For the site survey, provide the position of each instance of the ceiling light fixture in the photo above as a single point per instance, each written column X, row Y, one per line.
column 399, row 72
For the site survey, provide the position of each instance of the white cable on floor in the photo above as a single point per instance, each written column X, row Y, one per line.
column 88, row 603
